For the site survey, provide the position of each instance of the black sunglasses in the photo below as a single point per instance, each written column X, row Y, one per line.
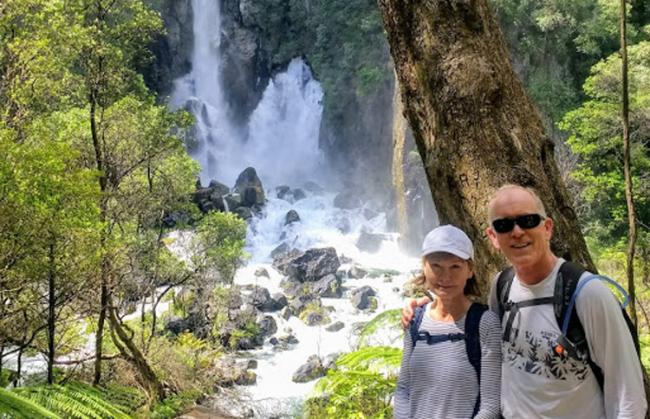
column 527, row 221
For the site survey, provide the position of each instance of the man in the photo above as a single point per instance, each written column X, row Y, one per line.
column 537, row 381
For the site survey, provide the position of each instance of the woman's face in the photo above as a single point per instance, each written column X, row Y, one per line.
column 446, row 274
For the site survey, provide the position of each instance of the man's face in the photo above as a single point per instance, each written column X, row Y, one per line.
column 523, row 247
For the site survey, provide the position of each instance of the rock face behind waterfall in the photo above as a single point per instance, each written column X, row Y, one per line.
column 249, row 186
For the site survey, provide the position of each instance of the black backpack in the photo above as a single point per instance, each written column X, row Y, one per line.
column 572, row 342
column 471, row 337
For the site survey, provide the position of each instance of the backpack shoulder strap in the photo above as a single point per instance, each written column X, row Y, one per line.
column 504, row 282
column 473, row 343
column 415, row 323
column 566, row 283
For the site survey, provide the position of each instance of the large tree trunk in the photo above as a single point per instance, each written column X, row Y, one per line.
column 473, row 123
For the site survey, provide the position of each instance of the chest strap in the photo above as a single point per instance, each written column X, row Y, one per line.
column 513, row 309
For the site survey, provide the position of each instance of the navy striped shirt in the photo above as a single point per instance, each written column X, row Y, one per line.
column 438, row 381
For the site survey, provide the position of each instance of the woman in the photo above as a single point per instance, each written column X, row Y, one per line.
column 452, row 342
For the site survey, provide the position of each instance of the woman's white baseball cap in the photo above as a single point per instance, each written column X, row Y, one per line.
column 449, row 239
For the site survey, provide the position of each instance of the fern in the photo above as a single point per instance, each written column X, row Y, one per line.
column 385, row 320
column 75, row 400
column 361, row 387
column 13, row 405
column 375, row 358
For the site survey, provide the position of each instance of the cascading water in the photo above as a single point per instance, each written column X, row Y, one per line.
column 281, row 143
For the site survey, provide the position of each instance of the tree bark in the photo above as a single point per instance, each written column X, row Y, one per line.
column 474, row 125
column 51, row 312
column 627, row 172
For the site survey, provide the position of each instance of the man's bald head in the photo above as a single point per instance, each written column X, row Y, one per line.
column 509, row 188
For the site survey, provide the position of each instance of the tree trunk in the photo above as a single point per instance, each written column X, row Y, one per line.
column 130, row 351
column 51, row 313
column 474, row 125
column 627, row 169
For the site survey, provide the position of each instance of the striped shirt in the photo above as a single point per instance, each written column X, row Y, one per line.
column 438, row 381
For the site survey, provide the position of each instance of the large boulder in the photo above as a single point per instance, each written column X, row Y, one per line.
column 249, row 186
column 212, row 197
column 309, row 371
column 312, row 265
column 282, row 256
column 267, row 326
column 328, row 286
column 261, row 299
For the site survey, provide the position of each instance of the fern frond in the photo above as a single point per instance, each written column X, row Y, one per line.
column 17, row 406
column 386, row 320
column 371, row 357
column 75, row 400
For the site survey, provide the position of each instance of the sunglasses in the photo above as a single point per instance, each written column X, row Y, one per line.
column 527, row 221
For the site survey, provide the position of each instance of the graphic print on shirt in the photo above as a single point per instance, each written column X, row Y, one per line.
column 533, row 353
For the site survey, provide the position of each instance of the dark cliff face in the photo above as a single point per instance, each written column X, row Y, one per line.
column 347, row 54
column 172, row 51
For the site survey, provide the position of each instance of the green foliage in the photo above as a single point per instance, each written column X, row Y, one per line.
column 389, row 319
column 595, row 136
column 21, row 407
column 172, row 406
column 74, row 400
column 219, row 244
column 362, row 386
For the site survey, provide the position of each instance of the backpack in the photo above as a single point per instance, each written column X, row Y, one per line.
column 471, row 337
column 572, row 340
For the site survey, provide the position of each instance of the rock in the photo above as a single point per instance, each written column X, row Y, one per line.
column 251, row 364
column 356, row 272
column 249, row 186
column 177, row 218
column 286, row 313
column 177, row 326
column 279, row 301
column 312, row 264
column 211, row 198
column 267, row 326
column 315, row 319
column 282, row 192
column 244, row 213
column 328, row 286
column 347, row 200
column 299, row 304
column 361, row 297
column 247, row 379
column 261, row 299
column 335, row 327
column 299, row 194
column 309, row 371
column 369, row 242
column 282, row 259
column 233, row 201
column 279, row 250
column 262, row 272
column 291, row 217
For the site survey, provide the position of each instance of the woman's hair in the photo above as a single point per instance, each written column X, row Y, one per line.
column 471, row 286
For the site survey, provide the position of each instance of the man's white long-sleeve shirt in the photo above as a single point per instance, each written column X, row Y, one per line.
column 536, row 382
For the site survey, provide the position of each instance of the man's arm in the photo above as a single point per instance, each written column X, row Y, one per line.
column 612, row 349
column 409, row 309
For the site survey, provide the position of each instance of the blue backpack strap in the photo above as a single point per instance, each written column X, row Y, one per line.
column 473, row 344
column 415, row 323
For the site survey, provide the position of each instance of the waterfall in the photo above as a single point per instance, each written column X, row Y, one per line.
column 281, row 141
